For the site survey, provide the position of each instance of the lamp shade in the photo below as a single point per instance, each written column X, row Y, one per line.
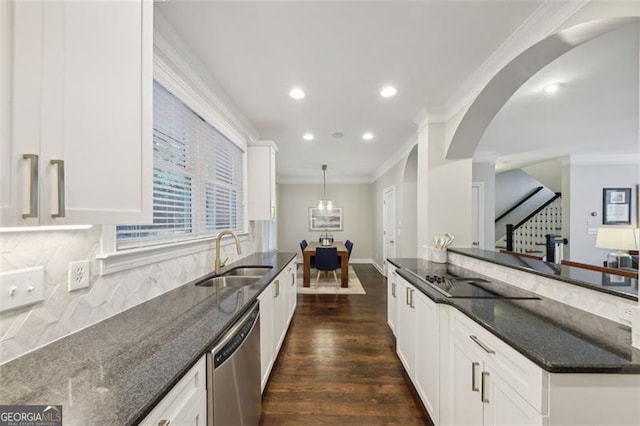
column 617, row 238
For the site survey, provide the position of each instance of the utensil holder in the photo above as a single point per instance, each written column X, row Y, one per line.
column 439, row 255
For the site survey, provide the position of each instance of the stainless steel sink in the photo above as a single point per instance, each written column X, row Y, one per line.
column 228, row 281
column 248, row 271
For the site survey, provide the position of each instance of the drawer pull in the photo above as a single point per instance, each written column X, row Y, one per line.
column 411, row 298
column 393, row 289
column 34, row 177
column 164, row 422
column 61, row 196
column 474, row 384
column 485, row 379
column 486, row 348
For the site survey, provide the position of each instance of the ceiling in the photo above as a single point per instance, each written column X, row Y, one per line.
column 342, row 54
column 594, row 112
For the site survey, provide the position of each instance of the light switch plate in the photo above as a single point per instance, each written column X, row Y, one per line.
column 21, row 288
column 79, row 274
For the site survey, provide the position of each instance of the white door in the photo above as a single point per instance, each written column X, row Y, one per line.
column 389, row 225
column 477, row 214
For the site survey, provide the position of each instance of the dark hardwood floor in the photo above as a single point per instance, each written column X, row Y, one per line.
column 338, row 365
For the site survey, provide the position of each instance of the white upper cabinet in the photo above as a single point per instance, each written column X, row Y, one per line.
column 262, row 180
column 77, row 112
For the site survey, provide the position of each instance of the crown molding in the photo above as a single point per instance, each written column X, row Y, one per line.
column 547, row 19
column 172, row 57
column 401, row 154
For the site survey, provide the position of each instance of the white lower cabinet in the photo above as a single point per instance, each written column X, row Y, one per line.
column 392, row 297
column 276, row 309
column 426, row 359
column 486, row 380
column 186, row 402
column 405, row 326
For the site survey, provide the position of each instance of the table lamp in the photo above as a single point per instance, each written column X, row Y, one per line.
column 619, row 239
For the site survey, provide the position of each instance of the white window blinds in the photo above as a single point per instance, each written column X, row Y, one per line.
column 197, row 178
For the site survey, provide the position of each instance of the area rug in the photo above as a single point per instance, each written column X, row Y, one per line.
column 327, row 285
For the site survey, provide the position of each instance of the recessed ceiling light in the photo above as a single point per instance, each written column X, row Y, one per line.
column 337, row 135
column 307, row 137
column 367, row 136
column 551, row 88
column 296, row 93
column 388, row 91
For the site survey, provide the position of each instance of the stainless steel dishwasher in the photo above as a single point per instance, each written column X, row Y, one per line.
column 233, row 366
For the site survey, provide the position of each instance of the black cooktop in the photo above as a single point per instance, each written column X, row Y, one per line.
column 465, row 288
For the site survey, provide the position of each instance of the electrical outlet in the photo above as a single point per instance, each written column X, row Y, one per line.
column 79, row 274
column 625, row 312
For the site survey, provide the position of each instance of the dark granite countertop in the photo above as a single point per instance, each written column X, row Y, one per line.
column 593, row 280
column 114, row 372
column 555, row 336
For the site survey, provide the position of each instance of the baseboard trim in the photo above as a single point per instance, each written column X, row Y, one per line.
column 378, row 267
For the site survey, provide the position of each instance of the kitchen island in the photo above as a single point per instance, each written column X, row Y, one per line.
column 480, row 350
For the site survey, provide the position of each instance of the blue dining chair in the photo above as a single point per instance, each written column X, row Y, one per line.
column 303, row 245
column 327, row 260
column 349, row 245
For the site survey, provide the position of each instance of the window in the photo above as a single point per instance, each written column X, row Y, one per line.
column 197, row 178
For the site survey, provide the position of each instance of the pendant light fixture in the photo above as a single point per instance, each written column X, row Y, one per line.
column 325, row 204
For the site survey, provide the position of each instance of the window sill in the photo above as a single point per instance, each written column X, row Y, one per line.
column 134, row 258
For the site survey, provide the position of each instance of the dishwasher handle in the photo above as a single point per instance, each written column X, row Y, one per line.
column 235, row 337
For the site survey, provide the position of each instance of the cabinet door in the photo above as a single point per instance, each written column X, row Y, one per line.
column 262, row 181
column 405, row 326
column 267, row 338
column 96, row 111
column 293, row 289
column 21, row 93
column 465, row 375
column 427, row 366
column 280, row 312
column 503, row 405
column 392, row 298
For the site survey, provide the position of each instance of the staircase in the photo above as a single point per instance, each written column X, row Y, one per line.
column 528, row 236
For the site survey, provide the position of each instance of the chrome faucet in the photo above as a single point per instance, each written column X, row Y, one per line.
column 220, row 264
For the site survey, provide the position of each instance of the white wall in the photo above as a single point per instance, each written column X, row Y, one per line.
column 586, row 182
column 548, row 173
column 293, row 215
column 486, row 173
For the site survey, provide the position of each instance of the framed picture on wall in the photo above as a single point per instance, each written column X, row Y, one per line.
column 616, row 206
column 330, row 220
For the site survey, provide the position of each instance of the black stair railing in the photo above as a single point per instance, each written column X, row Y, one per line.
column 511, row 228
column 519, row 203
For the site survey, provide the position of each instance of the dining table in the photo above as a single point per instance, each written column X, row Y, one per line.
column 343, row 253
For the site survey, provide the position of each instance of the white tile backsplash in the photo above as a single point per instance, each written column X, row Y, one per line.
column 596, row 302
column 63, row 312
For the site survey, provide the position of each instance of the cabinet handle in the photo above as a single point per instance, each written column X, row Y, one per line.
column 34, row 179
column 273, row 212
column 394, row 274
column 486, row 348
column 277, row 288
column 474, row 384
column 293, row 280
column 485, row 379
column 407, row 297
column 393, row 289
column 61, row 197
column 411, row 298
column 164, row 422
